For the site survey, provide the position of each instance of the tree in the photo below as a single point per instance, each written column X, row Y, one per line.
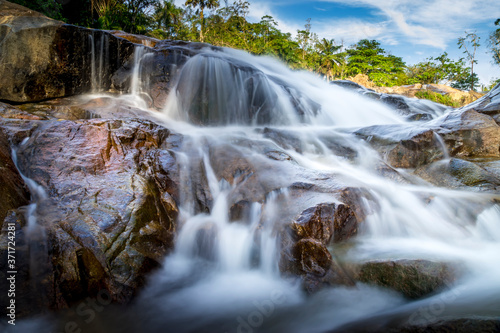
column 440, row 69
column 303, row 37
column 367, row 57
column 50, row 8
column 167, row 18
column 494, row 43
column 202, row 4
column 469, row 81
column 332, row 61
column 470, row 43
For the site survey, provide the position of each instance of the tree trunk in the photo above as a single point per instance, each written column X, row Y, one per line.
column 202, row 18
column 472, row 75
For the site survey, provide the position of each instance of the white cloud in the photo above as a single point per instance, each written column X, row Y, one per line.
column 433, row 23
column 259, row 9
column 348, row 30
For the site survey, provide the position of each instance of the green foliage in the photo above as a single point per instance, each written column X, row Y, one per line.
column 468, row 82
column 202, row 4
column 440, row 69
column 367, row 57
column 50, row 8
column 228, row 26
column 494, row 43
column 470, row 43
column 438, row 98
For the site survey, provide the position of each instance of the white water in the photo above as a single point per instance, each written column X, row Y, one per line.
column 412, row 221
column 223, row 275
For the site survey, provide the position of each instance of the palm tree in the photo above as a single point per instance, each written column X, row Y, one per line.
column 330, row 56
column 167, row 15
column 202, row 4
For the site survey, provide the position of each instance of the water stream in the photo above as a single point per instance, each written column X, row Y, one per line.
column 223, row 275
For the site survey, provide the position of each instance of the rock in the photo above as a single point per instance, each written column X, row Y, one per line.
column 12, row 112
column 462, row 133
column 489, row 104
column 458, row 173
column 462, row 325
column 158, row 66
column 110, row 214
column 397, row 98
column 304, row 242
column 459, row 97
column 418, row 150
column 41, row 58
column 413, row 278
column 348, row 84
column 470, row 134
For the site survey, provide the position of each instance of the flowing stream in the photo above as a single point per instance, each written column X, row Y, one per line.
column 223, row 275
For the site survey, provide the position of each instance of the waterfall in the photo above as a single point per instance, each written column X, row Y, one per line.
column 287, row 131
column 38, row 195
column 99, row 61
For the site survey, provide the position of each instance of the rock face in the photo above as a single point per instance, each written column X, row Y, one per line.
column 459, row 97
column 471, row 134
column 413, row 109
column 107, row 235
column 41, row 58
column 463, row 133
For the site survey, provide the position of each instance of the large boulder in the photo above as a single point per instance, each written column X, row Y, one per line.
column 458, row 173
column 488, row 104
column 305, row 241
column 41, row 58
column 463, row 133
column 468, row 133
column 108, row 215
column 413, row 278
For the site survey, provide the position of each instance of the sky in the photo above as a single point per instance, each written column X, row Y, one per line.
column 411, row 29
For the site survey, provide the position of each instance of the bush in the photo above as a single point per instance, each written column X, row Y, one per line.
column 438, row 98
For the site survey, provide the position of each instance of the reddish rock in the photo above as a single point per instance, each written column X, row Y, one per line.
column 111, row 208
column 41, row 58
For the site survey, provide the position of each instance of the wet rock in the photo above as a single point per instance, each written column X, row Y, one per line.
column 489, row 104
column 398, row 98
column 458, row 173
column 348, row 84
column 110, row 214
column 413, row 278
column 13, row 191
column 41, row 58
column 158, row 67
column 84, row 107
column 419, row 150
column 462, row 325
column 11, row 112
column 305, row 240
column 471, row 134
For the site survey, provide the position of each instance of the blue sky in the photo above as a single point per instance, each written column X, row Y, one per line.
column 411, row 29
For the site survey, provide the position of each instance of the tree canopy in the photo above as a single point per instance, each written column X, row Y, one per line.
column 228, row 26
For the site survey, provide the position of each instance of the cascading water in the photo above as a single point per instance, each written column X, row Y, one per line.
column 99, row 60
column 223, row 275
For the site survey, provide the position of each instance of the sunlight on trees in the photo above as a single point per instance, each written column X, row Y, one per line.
column 228, row 26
